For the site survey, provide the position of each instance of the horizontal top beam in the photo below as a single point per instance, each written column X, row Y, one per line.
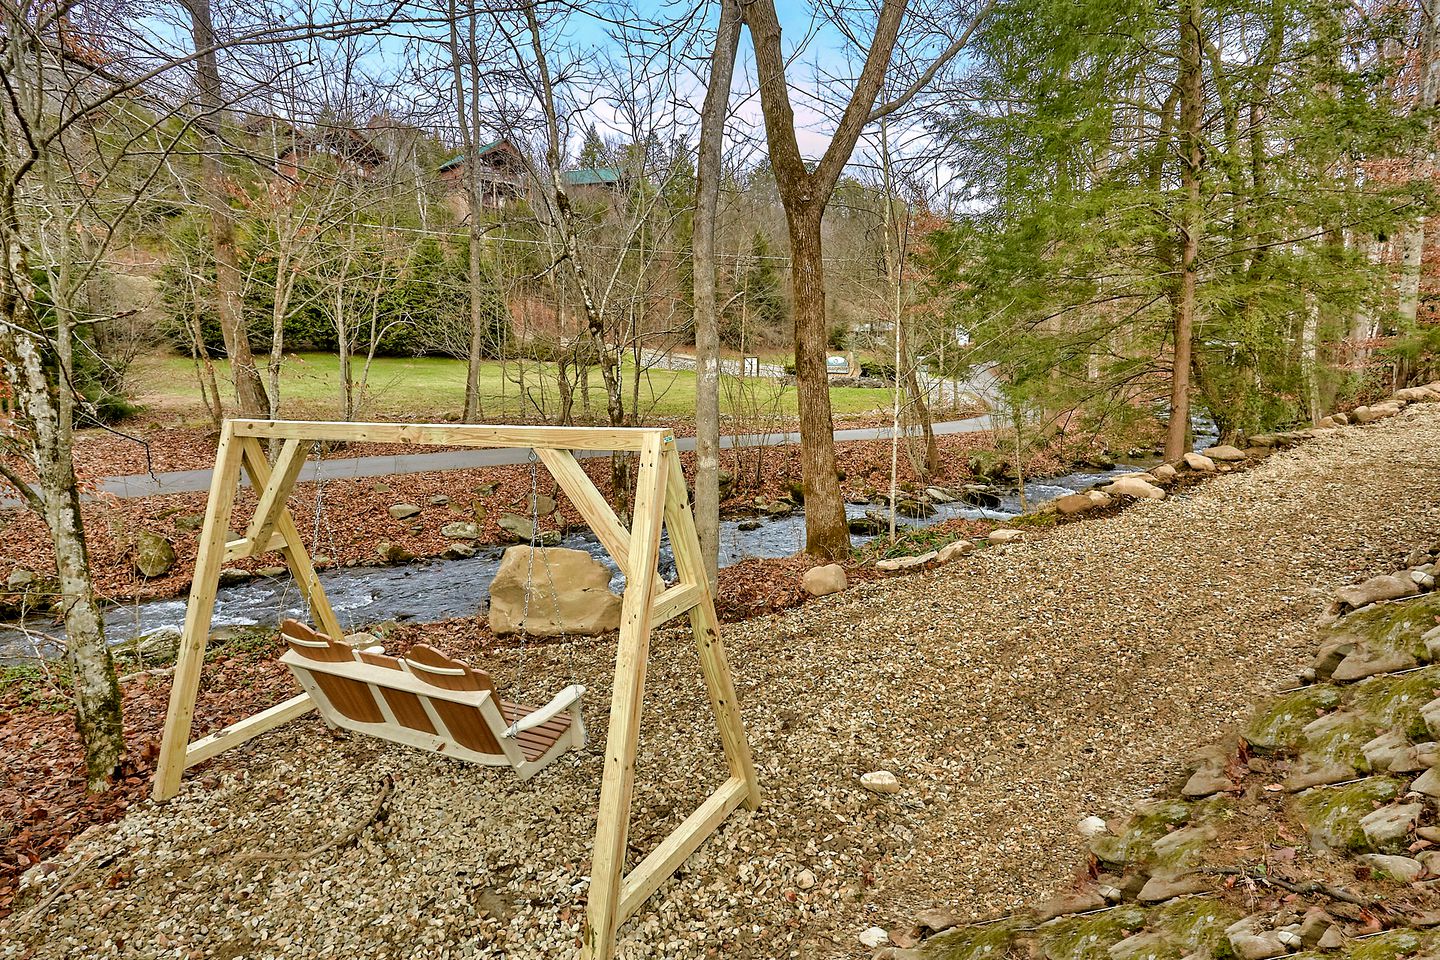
column 455, row 434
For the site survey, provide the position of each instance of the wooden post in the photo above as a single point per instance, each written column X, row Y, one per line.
column 705, row 624
column 613, row 827
column 296, row 557
column 661, row 502
column 196, row 632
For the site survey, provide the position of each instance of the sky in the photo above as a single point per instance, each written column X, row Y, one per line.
column 817, row 51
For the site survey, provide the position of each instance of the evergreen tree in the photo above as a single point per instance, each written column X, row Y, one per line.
column 1067, row 268
column 593, row 152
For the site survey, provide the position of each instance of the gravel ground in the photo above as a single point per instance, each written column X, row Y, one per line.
column 1012, row 692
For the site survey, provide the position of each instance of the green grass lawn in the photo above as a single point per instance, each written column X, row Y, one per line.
column 424, row 388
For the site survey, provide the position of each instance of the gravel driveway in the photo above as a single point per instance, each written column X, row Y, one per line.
column 1012, row 692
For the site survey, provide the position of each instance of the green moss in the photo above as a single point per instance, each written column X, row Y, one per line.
column 1278, row 725
column 1396, row 701
column 1338, row 738
column 1150, row 822
column 1386, row 946
column 1195, row 925
column 43, row 689
column 1332, row 814
column 1181, row 848
column 1089, row 937
column 972, row 943
column 1391, row 626
column 1150, row 945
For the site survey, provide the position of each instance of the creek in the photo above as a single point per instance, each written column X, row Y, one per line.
column 443, row 589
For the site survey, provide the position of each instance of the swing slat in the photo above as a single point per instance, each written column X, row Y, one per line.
column 430, row 701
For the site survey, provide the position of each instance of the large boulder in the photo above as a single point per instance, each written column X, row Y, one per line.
column 1199, row 462
column 154, row 555
column 581, row 602
column 1075, row 503
column 1136, row 487
column 1377, row 411
column 824, row 580
column 1225, row 453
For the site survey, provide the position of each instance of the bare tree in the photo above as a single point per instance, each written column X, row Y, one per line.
column 805, row 190
column 249, row 388
column 707, row 322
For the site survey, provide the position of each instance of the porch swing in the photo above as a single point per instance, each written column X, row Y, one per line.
column 431, row 701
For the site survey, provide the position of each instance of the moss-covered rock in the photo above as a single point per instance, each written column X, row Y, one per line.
column 1389, row 945
column 1195, row 925
column 154, row 555
column 1338, row 737
column 1332, row 814
column 1181, row 848
column 1087, row 937
column 1151, row 821
column 1277, row 726
column 988, row 942
column 1395, row 702
column 1390, row 626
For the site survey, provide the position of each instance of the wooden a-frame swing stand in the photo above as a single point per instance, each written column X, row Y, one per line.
column 660, row 500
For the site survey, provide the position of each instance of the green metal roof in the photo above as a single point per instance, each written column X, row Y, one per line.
column 592, row 177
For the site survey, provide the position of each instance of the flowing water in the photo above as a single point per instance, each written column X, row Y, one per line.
column 442, row 589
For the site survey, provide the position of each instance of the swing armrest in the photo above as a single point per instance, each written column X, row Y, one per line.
column 563, row 701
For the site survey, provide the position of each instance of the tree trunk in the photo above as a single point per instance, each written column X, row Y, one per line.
column 707, row 326
column 1412, row 239
column 827, row 534
column 1362, row 324
column 249, row 388
column 1191, row 116
column 96, row 692
column 1412, row 246
column 469, row 139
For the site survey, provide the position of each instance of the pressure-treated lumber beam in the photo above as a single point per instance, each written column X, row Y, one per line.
column 294, row 552
column 618, row 783
column 662, row 862
column 242, row 548
column 247, row 729
column 592, row 505
column 673, row 602
column 273, row 494
column 685, row 544
column 454, row 434
column 196, row 632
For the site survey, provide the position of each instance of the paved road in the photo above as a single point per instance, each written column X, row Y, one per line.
column 190, row 481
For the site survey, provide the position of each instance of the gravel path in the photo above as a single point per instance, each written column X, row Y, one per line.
column 1013, row 692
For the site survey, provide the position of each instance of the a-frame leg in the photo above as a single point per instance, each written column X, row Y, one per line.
column 302, row 568
column 196, row 633
column 616, row 788
column 689, row 562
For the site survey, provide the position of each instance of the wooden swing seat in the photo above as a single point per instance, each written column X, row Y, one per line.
column 429, row 701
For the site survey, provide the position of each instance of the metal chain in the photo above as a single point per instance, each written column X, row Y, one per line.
column 537, row 540
column 529, row 577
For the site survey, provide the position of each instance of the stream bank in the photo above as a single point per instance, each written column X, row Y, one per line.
column 440, row 589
